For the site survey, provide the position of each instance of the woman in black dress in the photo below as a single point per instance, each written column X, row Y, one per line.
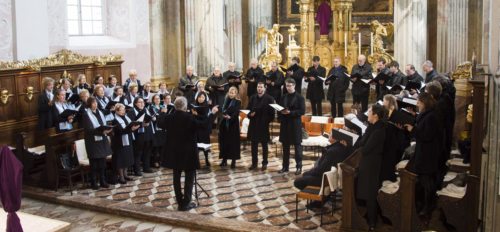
column 229, row 129
column 160, row 134
column 96, row 143
column 428, row 133
column 372, row 148
column 63, row 123
column 122, row 143
column 143, row 143
column 207, row 117
column 102, row 102
column 396, row 140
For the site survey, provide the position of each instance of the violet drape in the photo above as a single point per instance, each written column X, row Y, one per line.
column 323, row 17
column 11, row 181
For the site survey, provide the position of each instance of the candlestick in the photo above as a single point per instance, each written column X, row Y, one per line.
column 345, row 44
column 371, row 43
column 359, row 43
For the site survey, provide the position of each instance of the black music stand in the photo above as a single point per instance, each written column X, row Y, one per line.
column 196, row 184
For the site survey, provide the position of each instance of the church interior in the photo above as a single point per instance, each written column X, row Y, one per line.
column 249, row 115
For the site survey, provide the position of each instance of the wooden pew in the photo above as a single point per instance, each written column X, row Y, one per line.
column 33, row 164
column 352, row 217
column 55, row 145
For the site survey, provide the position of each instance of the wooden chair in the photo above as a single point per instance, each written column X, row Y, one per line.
column 304, row 119
column 313, row 129
column 243, row 136
column 327, row 128
column 315, row 193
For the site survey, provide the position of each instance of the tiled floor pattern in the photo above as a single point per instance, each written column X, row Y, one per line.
column 88, row 221
column 255, row 196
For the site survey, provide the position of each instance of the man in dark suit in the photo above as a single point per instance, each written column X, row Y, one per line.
column 413, row 77
column 188, row 84
column 261, row 114
column 315, row 92
column 295, row 72
column 334, row 154
column 338, row 83
column 291, row 125
column 274, row 81
column 253, row 76
column 181, row 153
column 430, row 72
column 361, row 90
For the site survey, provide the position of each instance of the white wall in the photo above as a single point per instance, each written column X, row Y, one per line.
column 127, row 32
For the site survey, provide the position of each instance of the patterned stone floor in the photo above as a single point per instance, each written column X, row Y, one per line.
column 254, row 196
column 88, row 221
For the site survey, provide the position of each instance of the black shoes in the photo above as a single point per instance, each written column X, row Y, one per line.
column 298, row 172
column 94, row 186
column 264, row 167
column 253, row 167
column 148, row 171
column 128, row 178
column 137, row 173
column 233, row 164
column 189, row 206
column 223, row 163
column 122, row 181
column 283, row 170
column 104, row 185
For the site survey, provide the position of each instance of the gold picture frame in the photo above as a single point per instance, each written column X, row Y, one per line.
column 288, row 11
column 388, row 11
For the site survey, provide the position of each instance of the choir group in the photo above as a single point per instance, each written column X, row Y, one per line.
column 141, row 129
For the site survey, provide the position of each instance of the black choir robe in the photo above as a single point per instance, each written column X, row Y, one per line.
column 278, row 79
column 95, row 149
column 216, row 95
column 45, row 120
column 181, row 151
column 315, row 91
column 229, row 130
column 290, row 124
column 237, row 82
column 338, row 84
column 396, row 141
column 359, row 88
column 372, row 148
column 258, row 129
column 253, row 77
column 297, row 75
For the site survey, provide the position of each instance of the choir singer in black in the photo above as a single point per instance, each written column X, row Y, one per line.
column 338, row 82
column 260, row 115
column 315, row 92
column 361, row 90
column 291, row 125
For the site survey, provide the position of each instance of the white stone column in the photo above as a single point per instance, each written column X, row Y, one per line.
column 6, row 39
column 452, row 34
column 234, row 45
column 410, row 36
column 205, row 35
column 261, row 14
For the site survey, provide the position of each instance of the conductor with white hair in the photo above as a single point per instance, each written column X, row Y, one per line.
column 182, row 152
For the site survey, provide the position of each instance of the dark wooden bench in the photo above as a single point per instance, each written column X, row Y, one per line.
column 33, row 163
column 56, row 145
column 352, row 216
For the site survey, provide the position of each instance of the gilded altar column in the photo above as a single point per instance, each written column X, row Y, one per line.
column 307, row 23
column 410, row 32
column 341, row 25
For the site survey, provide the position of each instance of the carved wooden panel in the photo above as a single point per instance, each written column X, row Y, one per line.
column 7, row 101
column 27, row 99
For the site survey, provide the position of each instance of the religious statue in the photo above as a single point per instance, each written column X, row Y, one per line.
column 323, row 17
column 378, row 51
column 379, row 32
column 273, row 41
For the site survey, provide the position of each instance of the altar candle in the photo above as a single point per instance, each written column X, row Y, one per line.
column 371, row 43
column 359, row 43
column 345, row 44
